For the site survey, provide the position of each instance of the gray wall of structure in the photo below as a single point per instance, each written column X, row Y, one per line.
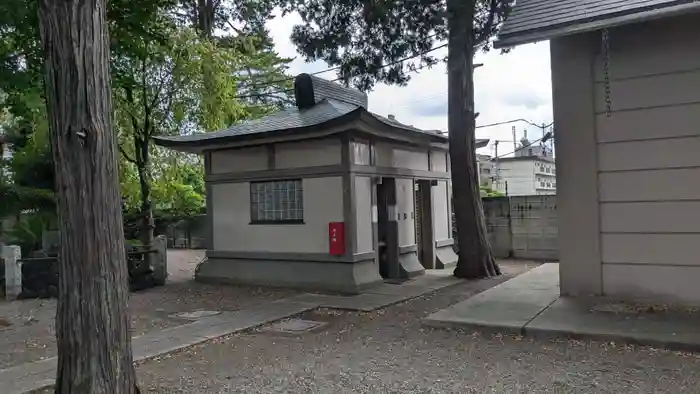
column 523, row 227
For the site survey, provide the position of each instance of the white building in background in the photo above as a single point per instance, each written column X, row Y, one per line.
column 530, row 172
column 486, row 170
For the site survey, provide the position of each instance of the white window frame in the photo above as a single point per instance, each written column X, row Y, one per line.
column 277, row 202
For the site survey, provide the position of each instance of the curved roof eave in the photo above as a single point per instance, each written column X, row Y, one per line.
column 374, row 121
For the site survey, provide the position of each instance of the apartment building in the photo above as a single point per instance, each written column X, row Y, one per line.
column 525, row 175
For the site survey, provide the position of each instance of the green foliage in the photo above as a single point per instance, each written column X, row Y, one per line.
column 177, row 187
column 159, row 87
column 168, row 78
column 362, row 36
column 488, row 192
column 27, row 232
column 27, row 179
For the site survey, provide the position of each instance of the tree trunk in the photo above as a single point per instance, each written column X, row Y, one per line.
column 205, row 18
column 475, row 258
column 92, row 322
column 147, row 221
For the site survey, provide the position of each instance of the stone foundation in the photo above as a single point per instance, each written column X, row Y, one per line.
column 410, row 265
column 445, row 257
column 341, row 277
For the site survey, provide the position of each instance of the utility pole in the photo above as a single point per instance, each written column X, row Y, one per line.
column 496, row 174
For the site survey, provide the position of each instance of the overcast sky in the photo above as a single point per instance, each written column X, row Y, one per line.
column 510, row 86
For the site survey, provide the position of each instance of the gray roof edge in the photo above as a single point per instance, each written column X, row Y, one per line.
column 481, row 142
column 172, row 141
column 402, row 127
column 360, row 112
column 524, row 158
column 528, row 37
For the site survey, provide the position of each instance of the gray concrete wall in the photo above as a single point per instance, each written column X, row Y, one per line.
column 323, row 203
column 649, row 162
column 580, row 270
column 343, row 277
column 523, row 227
column 629, row 200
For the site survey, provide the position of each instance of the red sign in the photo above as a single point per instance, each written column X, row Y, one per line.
column 336, row 238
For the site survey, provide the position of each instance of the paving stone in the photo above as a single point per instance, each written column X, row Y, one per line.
column 194, row 315
column 507, row 307
column 577, row 318
column 530, row 304
column 366, row 302
column 295, row 326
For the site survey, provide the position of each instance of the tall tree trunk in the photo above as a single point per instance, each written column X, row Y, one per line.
column 205, row 18
column 475, row 257
column 92, row 323
column 143, row 162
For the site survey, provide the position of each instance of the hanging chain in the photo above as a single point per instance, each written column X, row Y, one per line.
column 606, row 71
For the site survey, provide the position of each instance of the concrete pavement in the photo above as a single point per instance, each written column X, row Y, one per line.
column 530, row 304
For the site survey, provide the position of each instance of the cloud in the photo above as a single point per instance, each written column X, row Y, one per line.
column 429, row 108
column 508, row 86
column 524, row 99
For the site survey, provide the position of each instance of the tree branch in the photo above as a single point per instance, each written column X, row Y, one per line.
column 135, row 124
column 234, row 28
column 126, row 156
column 144, row 90
column 486, row 32
column 156, row 97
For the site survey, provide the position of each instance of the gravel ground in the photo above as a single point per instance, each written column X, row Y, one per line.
column 27, row 327
column 389, row 351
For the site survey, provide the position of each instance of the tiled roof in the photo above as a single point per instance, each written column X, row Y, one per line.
column 290, row 118
column 325, row 89
column 536, row 20
column 318, row 102
column 287, row 119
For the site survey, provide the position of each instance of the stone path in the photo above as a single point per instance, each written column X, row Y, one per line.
column 507, row 307
column 37, row 375
column 530, row 304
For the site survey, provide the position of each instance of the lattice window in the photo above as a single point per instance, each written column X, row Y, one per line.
column 277, row 201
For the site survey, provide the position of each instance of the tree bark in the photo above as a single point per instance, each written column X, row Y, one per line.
column 92, row 322
column 205, row 18
column 475, row 257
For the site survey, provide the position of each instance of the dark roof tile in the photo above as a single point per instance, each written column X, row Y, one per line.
column 552, row 17
column 290, row 118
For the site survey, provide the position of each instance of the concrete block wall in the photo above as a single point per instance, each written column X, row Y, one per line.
column 523, row 227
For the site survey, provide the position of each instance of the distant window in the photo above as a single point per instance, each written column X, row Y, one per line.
column 554, row 184
column 546, row 170
column 277, row 202
column 529, row 152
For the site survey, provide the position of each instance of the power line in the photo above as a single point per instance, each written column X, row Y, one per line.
column 339, row 78
column 544, row 138
column 541, row 126
column 265, row 83
column 268, row 83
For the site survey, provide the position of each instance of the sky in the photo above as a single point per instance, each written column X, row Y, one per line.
column 508, row 86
